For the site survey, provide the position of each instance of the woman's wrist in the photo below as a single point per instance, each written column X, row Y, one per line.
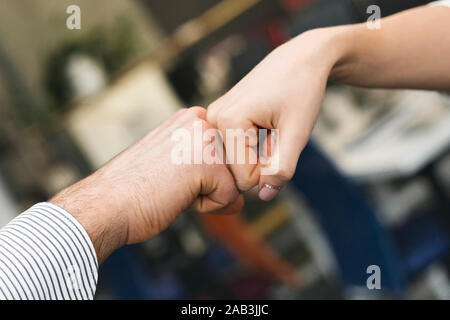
column 333, row 49
column 349, row 40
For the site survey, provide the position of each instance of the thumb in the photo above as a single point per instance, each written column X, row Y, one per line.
column 282, row 150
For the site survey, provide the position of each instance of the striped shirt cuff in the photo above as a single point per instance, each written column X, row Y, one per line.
column 45, row 253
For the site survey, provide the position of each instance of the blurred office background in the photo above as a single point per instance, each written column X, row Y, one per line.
column 372, row 189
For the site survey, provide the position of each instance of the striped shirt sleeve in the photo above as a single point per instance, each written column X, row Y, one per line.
column 45, row 254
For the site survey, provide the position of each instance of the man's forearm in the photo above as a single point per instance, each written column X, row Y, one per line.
column 96, row 202
column 411, row 50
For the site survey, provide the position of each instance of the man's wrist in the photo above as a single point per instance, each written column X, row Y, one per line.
column 98, row 210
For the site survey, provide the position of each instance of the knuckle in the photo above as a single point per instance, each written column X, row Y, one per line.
column 204, row 125
column 197, row 112
column 207, row 125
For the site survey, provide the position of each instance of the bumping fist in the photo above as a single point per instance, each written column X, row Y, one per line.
column 283, row 92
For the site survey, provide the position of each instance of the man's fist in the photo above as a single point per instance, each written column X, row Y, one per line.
column 141, row 191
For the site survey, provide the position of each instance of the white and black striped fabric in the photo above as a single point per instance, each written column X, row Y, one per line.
column 45, row 254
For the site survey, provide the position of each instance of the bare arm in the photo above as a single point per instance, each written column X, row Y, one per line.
column 411, row 50
column 285, row 90
column 52, row 250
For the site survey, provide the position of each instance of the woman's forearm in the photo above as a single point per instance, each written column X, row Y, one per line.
column 411, row 50
column 285, row 90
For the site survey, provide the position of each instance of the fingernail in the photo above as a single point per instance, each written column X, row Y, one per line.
column 268, row 192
